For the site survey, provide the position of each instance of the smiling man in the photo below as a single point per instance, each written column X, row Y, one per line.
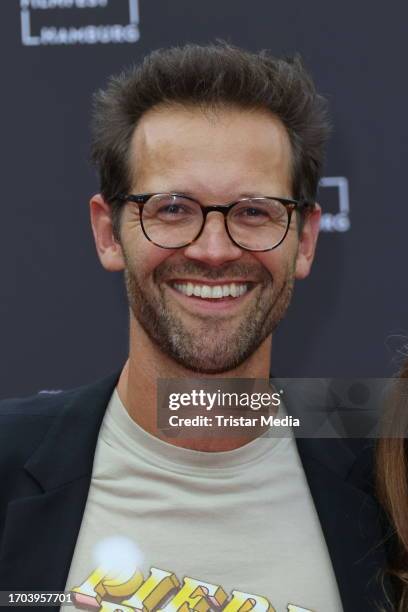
column 209, row 160
column 211, row 304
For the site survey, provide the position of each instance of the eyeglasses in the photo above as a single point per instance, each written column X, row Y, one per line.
column 173, row 220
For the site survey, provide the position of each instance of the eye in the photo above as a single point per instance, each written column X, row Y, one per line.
column 253, row 211
column 168, row 208
column 172, row 209
column 259, row 211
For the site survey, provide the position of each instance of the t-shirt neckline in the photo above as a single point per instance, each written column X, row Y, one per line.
column 119, row 429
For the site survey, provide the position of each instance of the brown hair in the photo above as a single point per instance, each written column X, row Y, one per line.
column 209, row 77
column 392, row 483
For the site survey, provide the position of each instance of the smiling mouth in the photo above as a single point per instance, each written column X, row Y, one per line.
column 213, row 292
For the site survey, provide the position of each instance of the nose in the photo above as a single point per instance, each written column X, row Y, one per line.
column 213, row 246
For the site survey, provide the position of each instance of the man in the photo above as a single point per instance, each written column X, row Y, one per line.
column 209, row 161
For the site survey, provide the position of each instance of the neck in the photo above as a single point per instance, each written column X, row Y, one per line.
column 137, row 387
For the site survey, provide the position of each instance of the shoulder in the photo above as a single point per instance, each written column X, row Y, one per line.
column 24, row 422
column 49, row 431
column 47, row 405
column 41, row 404
column 20, row 413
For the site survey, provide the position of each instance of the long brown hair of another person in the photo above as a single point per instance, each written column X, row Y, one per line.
column 392, row 482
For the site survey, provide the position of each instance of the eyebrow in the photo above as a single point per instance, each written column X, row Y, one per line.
column 240, row 196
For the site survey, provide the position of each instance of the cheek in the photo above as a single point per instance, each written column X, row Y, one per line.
column 280, row 261
column 152, row 258
column 143, row 258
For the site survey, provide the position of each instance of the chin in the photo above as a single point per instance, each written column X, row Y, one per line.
column 215, row 360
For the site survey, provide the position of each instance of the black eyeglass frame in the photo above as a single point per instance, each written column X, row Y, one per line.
column 142, row 198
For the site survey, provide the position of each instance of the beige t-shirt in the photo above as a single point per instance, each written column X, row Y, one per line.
column 165, row 525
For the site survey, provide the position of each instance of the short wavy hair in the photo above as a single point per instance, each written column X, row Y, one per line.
column 210, row 77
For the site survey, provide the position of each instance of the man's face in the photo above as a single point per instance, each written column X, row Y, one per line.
column 215, row 158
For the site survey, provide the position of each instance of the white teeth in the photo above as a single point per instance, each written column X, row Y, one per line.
column 212, row 291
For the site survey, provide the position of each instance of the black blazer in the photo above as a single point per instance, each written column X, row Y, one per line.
column 47, row 445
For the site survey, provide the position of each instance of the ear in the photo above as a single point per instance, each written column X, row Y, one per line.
column 109, row 250
column 307, row 242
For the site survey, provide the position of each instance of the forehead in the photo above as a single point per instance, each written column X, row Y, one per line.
column 222, row 151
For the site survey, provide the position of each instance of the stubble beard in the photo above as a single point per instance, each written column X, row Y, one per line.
column 214, row 345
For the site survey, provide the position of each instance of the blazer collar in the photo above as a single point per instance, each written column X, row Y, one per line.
column 67, row 452
column 43, row 522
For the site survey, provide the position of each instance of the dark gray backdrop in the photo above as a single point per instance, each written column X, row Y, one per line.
column 63, row 320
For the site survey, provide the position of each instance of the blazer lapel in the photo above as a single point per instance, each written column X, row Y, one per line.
column 340, row 484
column 42, row 525
column 350, row 521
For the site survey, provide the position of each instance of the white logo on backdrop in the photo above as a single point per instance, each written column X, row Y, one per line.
column 339, row 219
column 74, row 35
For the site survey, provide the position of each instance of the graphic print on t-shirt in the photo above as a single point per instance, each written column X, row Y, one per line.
column 118, row 585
